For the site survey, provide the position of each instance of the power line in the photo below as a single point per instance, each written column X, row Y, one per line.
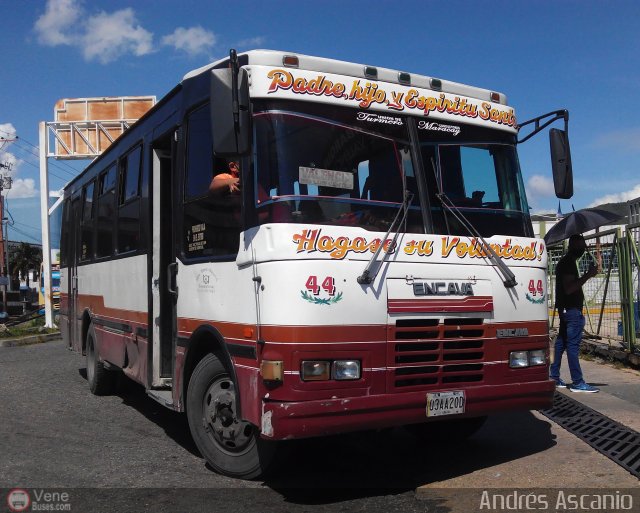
column 24, row 234
column 25, row 225
column 37, row 148
column 12, row 223
column 37, row 166
column 65, row 180
column 52, row 164
column 74, row 172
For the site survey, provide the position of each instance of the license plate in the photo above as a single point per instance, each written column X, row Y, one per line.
column 445, row 403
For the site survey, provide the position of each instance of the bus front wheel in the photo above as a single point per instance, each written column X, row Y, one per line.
column 230, row 445
column 101, row 381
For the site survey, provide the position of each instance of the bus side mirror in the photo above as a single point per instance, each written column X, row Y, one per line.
column 561, row 163
column 230, row 125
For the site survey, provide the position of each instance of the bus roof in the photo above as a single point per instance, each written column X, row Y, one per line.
column 321, row 64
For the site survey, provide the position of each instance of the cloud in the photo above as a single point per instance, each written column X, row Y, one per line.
column 254, row 42
column 22, row 188
column 8, row 160
column 109, row 36
column 7, row 131
column 59, row 16
column 540, row 186
column 193, row 41
column 617, row 197
column 103, row 37
column 544, row 212
column 625, row 140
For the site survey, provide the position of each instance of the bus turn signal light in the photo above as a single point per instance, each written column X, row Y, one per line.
column 271, row 370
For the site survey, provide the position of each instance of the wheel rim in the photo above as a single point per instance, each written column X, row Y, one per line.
column 220, row 420
column 91, row 356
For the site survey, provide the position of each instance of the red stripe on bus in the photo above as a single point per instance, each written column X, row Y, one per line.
column 467, row 304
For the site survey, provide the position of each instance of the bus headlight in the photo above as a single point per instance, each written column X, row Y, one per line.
column 518, row 359
column 537, row 357
column 323, row 370
column 346, row 369
column 314, row 370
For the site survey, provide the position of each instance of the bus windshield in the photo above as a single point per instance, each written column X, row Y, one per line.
column 485, row 182
column 328, row 165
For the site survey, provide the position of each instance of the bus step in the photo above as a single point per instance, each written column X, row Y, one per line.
column 164, row 397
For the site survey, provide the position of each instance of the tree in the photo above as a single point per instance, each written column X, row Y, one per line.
column 25, row 258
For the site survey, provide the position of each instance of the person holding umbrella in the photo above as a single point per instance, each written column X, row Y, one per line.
column 569, row 302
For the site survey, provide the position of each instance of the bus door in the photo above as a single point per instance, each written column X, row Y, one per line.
column 164, row 266
column 74, row 325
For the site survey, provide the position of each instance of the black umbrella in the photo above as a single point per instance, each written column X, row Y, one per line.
column 579, row 221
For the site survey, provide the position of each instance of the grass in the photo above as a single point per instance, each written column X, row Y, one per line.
column 31, row 327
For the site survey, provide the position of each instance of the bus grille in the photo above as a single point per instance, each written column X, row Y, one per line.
column 429, row 353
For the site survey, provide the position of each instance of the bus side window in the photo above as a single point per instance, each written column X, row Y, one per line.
column 86, row 231
column 211, row 222
column 106, row 212
column 129, row 202
column 64, row 233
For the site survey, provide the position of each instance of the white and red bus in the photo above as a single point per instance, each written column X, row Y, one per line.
column 373, row 264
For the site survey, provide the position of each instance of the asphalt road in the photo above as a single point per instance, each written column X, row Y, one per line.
column 127, row 453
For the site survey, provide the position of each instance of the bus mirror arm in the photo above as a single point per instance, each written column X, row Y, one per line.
column 560, row 150
column 557, row 114
column 235, row 106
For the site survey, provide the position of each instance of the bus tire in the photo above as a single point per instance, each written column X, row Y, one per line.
column 454, row 429
column 231, row 446
column 101, row 381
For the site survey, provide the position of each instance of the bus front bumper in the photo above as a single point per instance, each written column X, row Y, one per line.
column 288, row 420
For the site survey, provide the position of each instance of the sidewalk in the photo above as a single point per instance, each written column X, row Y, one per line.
column 619, row 396
column 619, row 399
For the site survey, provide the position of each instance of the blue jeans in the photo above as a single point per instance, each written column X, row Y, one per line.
column 569, row 339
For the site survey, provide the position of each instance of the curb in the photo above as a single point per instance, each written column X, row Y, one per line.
column 30, row 340
column 601, row 349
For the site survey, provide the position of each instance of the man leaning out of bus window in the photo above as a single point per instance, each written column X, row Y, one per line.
column 226, row 182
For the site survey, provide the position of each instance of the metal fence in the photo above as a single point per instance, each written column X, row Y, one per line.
column 613, row 296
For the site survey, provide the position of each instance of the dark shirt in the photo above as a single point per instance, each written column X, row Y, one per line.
column 567, row 267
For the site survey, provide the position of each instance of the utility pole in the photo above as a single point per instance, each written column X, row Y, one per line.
column 5, row 183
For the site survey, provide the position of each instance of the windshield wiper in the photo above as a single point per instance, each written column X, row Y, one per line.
column 367, row 275
column 508, row 278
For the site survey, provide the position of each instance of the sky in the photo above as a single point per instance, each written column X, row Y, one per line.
column 581, row 55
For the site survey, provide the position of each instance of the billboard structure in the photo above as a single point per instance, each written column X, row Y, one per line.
column 83, row 128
